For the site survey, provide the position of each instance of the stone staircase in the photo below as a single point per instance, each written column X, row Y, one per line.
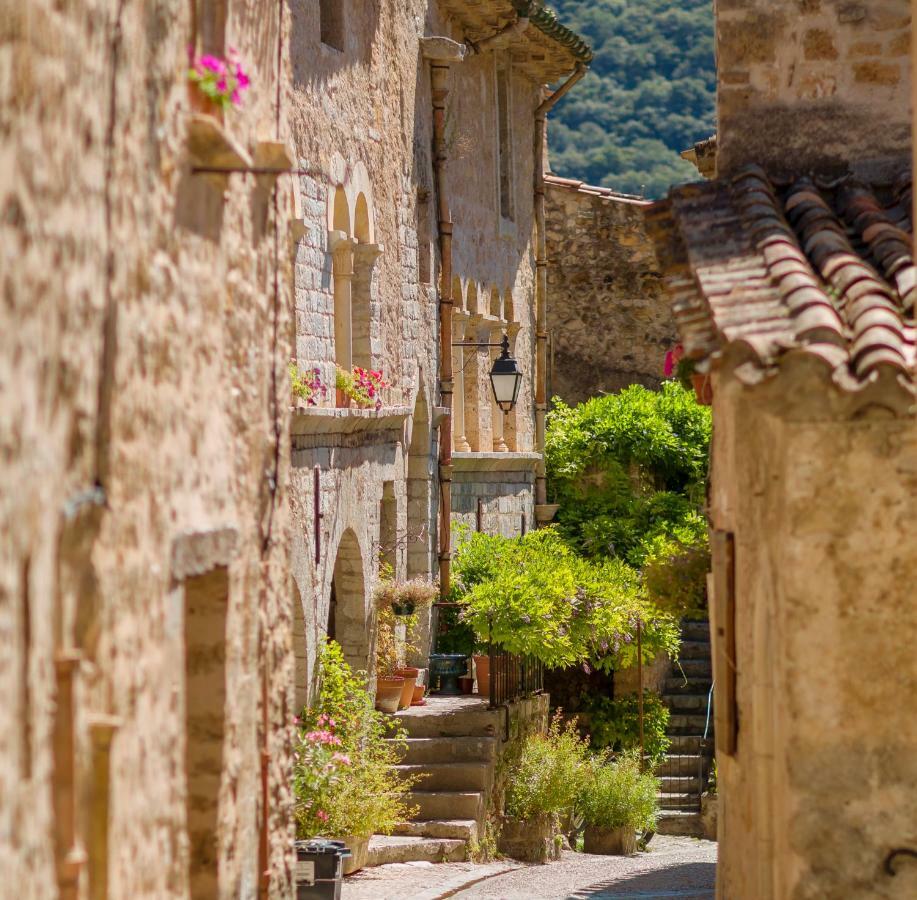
column 684, row 771
column 452, row 744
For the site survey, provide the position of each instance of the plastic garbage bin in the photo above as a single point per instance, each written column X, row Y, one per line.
column 319, row 865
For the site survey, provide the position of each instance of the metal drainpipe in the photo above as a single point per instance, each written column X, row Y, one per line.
column 439, row 74
column 541, row 283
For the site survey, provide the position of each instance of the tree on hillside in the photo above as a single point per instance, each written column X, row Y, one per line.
column 649, row 94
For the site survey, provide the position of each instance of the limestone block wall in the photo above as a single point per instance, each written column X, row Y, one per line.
column 143, row 487
column 814, row 84
column 609, row 319
column 493, row 493
column 820, row 788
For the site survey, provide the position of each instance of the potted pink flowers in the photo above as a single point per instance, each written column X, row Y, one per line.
column 362, row 387
column 307, row 386
column 217, row 84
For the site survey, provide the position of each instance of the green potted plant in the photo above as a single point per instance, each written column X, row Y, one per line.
column 616, row 802
column 390, row 685
column 345, row 784
column 542, row 783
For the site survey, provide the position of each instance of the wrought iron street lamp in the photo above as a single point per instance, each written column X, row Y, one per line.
column 505, row 377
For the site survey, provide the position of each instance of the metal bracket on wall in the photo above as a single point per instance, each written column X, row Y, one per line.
column 317, row 514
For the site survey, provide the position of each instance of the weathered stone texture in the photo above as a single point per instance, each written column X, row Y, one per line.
column 609, row 319
column 821, row 786
column 139, row 345
column 827, row 83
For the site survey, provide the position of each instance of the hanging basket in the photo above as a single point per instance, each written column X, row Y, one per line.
column 404, row 607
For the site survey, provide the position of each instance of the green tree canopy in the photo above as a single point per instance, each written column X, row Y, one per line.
column 649, row 94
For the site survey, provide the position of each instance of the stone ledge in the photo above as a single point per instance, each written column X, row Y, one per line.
column 330, row 420
column 496, row 461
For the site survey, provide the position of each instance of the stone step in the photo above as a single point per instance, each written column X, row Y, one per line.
column 473, row 719
column 385, row 849
column 461, row 776
column 687, row 702
column 680, row 784
column 694, row 650
column 695, row 630
column 680, row 801
column 688, row 723
column 696, row 668
column 680, row 685
column 447, row 804
column 419, row 751
column 680, row 822
column 691, row 743
column 461, row 829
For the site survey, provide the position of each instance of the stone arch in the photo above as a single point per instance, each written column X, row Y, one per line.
column 348, row 622
column 340, row 211
column 496, row 303
column 420, row 510
column 472, row 305
column 361, row 229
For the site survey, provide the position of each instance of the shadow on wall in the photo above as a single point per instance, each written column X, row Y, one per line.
column 691, row 881
column 329, row 35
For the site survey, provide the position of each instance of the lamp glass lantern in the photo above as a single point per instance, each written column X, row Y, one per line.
column 505, row 378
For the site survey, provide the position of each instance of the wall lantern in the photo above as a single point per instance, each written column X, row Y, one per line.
column 505, row 377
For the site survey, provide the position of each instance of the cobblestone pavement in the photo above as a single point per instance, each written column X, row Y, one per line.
column 673, row 868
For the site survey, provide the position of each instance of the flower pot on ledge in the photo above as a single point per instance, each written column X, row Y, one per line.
column 409, row 674
column 620, row 841
column 341, row 399
column 703, row 388
column 388, row 693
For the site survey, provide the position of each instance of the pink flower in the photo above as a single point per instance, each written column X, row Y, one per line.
column 212, row 64
column 341, row 758
column 671, row 360
column 321, row 815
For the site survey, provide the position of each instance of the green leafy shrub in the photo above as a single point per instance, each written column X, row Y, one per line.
column 675, row 572
column 617, row 795
column 614, row 725
column 344, row 782
column 548, row 773
column 535, row 596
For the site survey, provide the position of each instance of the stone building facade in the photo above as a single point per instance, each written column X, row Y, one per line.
column 793, row 282
column 387, row 205
column 146, row 669
column 608, row 315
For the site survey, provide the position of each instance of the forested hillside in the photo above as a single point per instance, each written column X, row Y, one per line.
column 649, row 94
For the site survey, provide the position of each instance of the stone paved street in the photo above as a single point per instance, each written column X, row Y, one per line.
column 673, row 867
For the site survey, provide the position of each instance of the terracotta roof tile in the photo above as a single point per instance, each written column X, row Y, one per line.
column 808, row 266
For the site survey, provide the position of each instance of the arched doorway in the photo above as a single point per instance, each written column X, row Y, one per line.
column 347, row 619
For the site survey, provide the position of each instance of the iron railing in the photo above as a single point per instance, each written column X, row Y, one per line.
column 513, row 677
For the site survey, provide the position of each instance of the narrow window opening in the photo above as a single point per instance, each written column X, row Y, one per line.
column 206, row 602
column 210, row 26
column 331, row 18
column 505, row 160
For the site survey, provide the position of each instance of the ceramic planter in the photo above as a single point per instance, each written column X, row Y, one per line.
column 409, row 674
column 404, row 608
column 388, row 692
column 535, row 840
column 359, row 853
column 482, row 673
column 703, row 388
column 417, row 698
column 201, row 103
column 620, row 841
column 341, row 399
column 466, row 684
column 447, row 667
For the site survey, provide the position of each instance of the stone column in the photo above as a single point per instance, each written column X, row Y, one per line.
column 364, row 262
column 497, row 415
column 342, row 248
column 458, row 377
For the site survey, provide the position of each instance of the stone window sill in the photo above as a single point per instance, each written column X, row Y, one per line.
column 332, row 420
column 507, row 461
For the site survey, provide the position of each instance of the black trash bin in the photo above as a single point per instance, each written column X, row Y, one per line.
column 319, row 869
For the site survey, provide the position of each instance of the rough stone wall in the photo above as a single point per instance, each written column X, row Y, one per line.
column 821, row 787
column 608, row 316
column 812, row 84
column 506, row 497
column 361, row 119
column 141, row 447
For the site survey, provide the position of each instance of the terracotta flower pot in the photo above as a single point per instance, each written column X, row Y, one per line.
column 417, row 698
column 341, row 400
column 409, row 674
column 388, row 692
column 610, row 841
column 482, row 674
column 466, row 684
column 703, row 388
column 201, row 103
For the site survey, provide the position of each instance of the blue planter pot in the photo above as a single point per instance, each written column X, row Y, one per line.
column 447, row 667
